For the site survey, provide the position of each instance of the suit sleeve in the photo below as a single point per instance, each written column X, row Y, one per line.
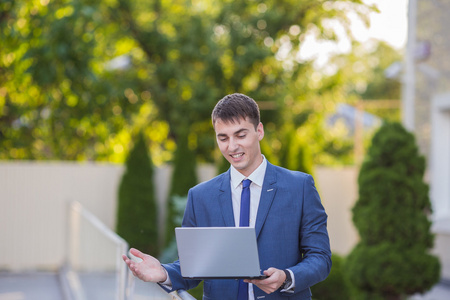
column 314, row 242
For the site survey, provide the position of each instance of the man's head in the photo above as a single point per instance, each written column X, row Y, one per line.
column 234, row 107
column 238, row 132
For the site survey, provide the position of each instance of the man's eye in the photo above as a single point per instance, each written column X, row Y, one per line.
column 241, row 136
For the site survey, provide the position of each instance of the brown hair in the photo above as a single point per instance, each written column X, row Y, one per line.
column 234, row 107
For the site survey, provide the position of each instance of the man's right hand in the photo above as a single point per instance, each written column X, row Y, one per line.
column 149, row 269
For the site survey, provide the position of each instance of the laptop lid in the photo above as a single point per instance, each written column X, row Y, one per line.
column 218, row 253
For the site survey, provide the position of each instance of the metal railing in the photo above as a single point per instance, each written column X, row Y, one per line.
column 85, row 253
column 83, row 224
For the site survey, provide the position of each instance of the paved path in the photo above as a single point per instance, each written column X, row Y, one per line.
column 101, row 286
column 46, row 286
column 440, row 291
column 30, row 286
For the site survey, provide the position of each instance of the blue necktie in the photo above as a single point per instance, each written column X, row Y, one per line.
column 244, row 221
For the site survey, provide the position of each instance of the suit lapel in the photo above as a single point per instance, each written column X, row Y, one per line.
column 225, row 202
column 268, row 192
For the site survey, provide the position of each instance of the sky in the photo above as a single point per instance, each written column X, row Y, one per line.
column 389, row 25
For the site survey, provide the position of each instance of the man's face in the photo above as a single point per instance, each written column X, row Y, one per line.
column 239, row 144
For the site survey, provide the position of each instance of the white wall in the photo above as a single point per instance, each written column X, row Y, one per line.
column 440, row 178
column 440, row 157
column 339, row 191
column 34, row 197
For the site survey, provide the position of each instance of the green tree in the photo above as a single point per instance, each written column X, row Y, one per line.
column 137, row 214
column 362, row 73
column 64, row 96
column 392, row 258
column 58, row 98
column 354, row 78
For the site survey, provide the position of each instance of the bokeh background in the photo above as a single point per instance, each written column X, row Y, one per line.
column 87, row 86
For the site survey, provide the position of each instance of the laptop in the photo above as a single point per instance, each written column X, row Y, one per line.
column 218, row 253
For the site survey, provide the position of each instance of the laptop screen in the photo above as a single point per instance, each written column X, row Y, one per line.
column 218, row 252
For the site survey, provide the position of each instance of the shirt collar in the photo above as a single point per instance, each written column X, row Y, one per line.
column 257, row 177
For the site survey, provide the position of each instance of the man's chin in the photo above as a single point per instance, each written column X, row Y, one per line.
column 239, row 166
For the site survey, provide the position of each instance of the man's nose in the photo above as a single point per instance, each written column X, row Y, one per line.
column 233, row 144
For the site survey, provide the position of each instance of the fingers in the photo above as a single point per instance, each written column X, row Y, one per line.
column 126, row 259
column 267, row 272
column 129, row 264
column 137, row 253
column 270, row 271
column 274, row 280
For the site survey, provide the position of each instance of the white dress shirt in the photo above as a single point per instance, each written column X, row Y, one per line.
column 257, row 179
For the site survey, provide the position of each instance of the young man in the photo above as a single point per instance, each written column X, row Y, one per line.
column 285, row 210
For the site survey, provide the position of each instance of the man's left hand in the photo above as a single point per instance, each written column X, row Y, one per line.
column 274, row 280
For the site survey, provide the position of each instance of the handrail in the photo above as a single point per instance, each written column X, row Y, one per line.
column 181, row 295
column 76, row 211
column 124, row 277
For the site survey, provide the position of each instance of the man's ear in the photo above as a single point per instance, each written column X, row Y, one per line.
column 260, row 130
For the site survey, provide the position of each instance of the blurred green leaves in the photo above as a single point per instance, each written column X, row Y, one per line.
column 79, row 77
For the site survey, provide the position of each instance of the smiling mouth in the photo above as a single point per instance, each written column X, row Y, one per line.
column 237, row 155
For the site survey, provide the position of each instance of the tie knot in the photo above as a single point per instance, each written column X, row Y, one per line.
column 246, row 183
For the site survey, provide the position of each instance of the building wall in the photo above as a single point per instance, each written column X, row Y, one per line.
column 34, row 197
column 428, row 63
column 432, row 66
column 338, row 190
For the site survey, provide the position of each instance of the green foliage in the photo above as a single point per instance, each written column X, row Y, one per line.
column 58, row 98
column 380, row 87
column 362, row 71
column 223, row 165
column 197, row 292
column 391, row 216
column 137, row 215
column 294, row 153
column 184, row 177
column 362, row 74
column 336, row 285
column 170, row 253
column 62, row 97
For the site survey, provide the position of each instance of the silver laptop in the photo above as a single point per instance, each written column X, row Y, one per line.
column 218, row 253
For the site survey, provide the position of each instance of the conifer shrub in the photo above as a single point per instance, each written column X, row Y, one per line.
column 392, row 213
column 137, row 215
column 184, row 177
column 294, row 154
column 223, row 165
column 170, row 252
column 335, row 286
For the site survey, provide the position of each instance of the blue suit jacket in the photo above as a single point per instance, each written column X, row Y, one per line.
column 291, row 230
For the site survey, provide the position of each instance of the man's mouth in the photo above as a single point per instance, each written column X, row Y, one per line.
column 237, row 155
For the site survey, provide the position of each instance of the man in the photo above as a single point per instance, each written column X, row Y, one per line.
column 285, row 210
